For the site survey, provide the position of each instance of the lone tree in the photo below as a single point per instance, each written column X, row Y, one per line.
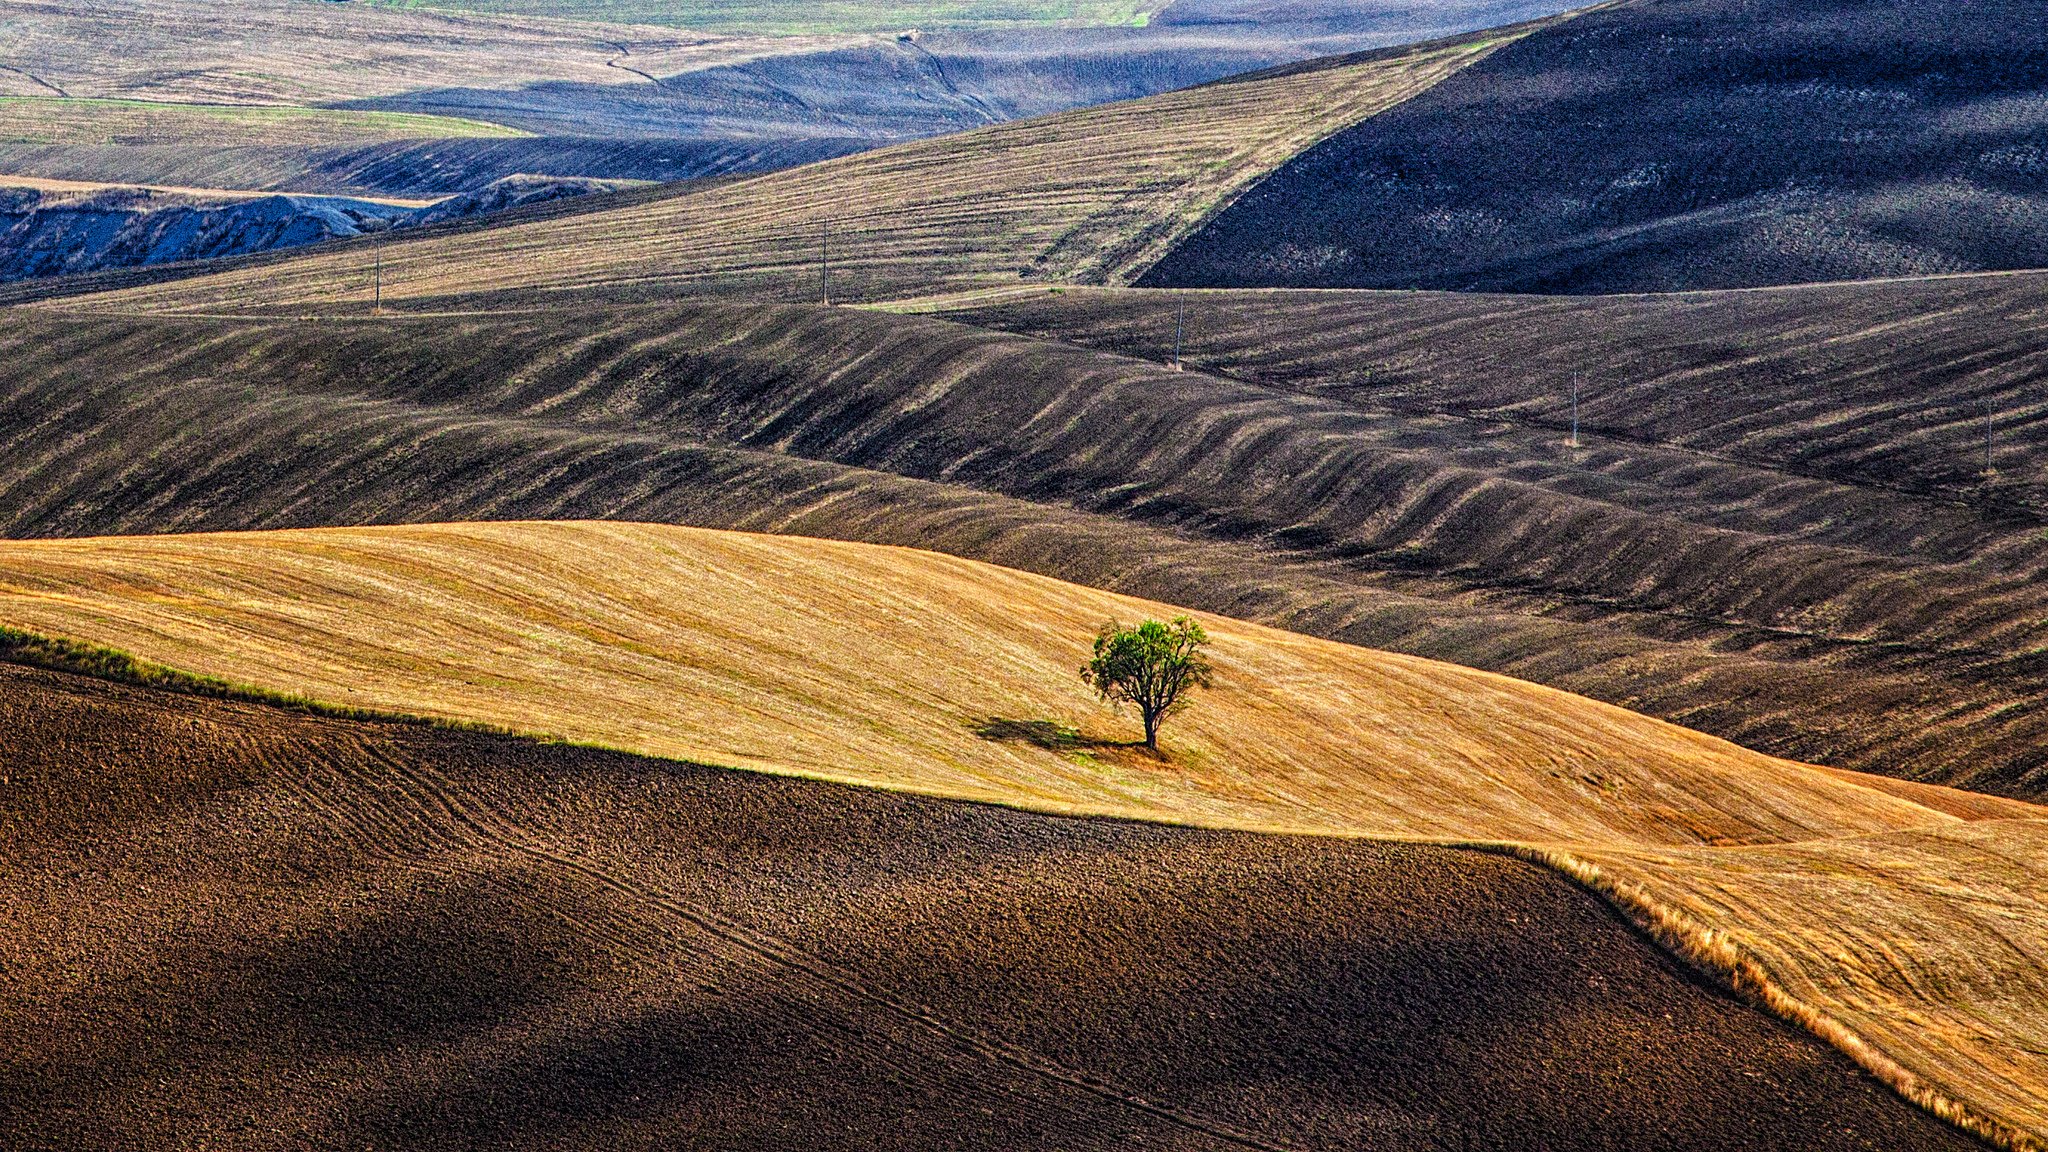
column 1151, row 666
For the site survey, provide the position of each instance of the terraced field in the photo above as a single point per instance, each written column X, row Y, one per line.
column 416, row 936
column 1096, row 194
column 912, row 670
column 1880, row 385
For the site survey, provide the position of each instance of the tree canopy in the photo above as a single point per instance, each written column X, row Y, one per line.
column 1152, row 667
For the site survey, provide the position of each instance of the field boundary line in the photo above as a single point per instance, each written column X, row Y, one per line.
column 1718, row 956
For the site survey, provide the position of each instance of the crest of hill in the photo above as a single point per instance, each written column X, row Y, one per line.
column 1667, row 145
column 1092, row 195
column 1303, row 733
column 931, row 674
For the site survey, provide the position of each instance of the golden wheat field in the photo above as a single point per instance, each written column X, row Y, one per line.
column 1903, row 923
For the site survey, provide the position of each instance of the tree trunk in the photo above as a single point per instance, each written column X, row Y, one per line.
column 1151, row 732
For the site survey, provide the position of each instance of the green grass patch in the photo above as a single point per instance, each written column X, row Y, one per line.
column 102, row 663
column 815, row 17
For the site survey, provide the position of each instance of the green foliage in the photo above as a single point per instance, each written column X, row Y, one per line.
column 1151, row 667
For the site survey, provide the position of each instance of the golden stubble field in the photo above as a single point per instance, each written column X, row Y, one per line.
column 1904, row 923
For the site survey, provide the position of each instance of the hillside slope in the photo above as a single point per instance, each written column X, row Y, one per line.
column 1093, row 195
column 355, row 966
column 1830, row 618
column 918, row 671
column 1661, row 145
column 99, row 94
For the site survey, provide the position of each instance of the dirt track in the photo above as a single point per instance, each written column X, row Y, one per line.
column 233, row 923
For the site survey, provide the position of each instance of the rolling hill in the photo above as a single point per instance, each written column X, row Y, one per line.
column 605, row 100
column 587, row 967
column 1095, row 194
column 1773, row 525
column 1665, row 145
column 1742, row 598
column 936, row 675
column 382, row 102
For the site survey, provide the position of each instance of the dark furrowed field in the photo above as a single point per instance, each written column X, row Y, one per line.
column 1668, row 145
column 1883, row 385
column 1821, row 619
column 227, row 923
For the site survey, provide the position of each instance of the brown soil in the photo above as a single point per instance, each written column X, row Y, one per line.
column 229, row 925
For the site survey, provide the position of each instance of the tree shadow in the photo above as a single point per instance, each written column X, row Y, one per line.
column 1050, row 735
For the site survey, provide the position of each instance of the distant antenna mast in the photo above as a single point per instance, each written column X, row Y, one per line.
column 1180, row 325
column 825, row 263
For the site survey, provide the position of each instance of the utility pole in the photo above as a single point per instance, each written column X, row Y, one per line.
column 825, row 263
column 1575, row 410
column 1180, row 324
column 1988, row 410
column 377, row 289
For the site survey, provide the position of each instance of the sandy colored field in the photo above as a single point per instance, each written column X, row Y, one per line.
column 285, row 52
column 1094, row 195
column 1911, row 934
column 789, row 17
column 28, row 120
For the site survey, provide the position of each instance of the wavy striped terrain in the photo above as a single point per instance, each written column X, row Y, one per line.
column 1780, row 524
column 1740, row 598
column 917, row 671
